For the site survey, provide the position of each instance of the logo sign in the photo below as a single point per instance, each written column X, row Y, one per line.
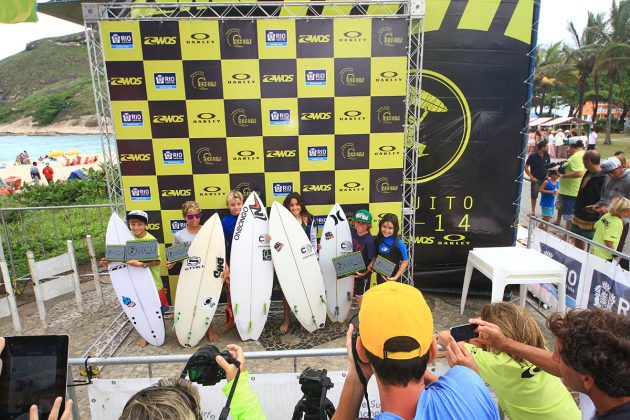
column 314, row 39
column 168, row 119
column 211, row 191
column 386, row 37
column 387, row 150
column 280, row 117
column 245, row 155
column 276, row 38
column 173, row 156
column 199, row 38
column 135, row 157
column 383, row 186
column 205, row 118
column 266, row 255
column 320, row 220
column 131, row 118
column 165, row 80
column 315, row 77
column 206, row 157
column 608, row 295
column 235, row 39
column 317, row 153
column 384, row 115
column 177, row 225
column 241, row 79
column 126, row 80
column 349, row 151
column 199, row 81
column 181, row 192
column 316, row 187
column 278, row 246
column 389, row 76
column 281, row 153
column 194, row 261
column 348, row 77
column 282, row 188
column 160, row 40
column 352, row 115
column 352, row 186
column 257, row 210
column 306, row 249
column 316, row 116
column 140, row 193
column 277, row 78
column 352, row 37
column 240, row 118
column 121, row 40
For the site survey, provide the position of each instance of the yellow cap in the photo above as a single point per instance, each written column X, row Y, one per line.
column 393, row 310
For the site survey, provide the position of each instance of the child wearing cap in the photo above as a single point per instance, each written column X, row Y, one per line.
column 138, row 221
column 395, row 343
column 524, row 390
column 363, row 241
column 608, row 229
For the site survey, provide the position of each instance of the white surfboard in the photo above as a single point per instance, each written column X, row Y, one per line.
column 251, row 274
column 336, row 241
column 199, row 285
column 135, row 288
column 296, row 265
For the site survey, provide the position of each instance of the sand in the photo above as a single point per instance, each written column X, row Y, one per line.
column 61, row 172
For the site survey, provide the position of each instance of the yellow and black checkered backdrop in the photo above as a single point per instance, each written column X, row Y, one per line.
column 274, row 106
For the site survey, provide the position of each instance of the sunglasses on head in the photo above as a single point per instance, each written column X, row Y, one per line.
column 193, row 216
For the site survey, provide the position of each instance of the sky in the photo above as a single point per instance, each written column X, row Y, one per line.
column 554, row 15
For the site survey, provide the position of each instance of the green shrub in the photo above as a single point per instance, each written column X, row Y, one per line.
column 49, row 108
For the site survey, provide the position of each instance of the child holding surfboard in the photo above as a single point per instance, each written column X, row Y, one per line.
column 235, row 204
column 191, row 211
column 296, row 205
column 391, row 247
column 364, row 242
column 138, row 221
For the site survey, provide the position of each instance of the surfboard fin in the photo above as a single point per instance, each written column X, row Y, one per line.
column 207, row 322
column 323, row 299
column 236, row 309
column 250, row 326
column 265, row 308
column 337, row 311
column 295, row 309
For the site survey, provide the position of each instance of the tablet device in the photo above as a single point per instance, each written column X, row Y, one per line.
column 34, row 370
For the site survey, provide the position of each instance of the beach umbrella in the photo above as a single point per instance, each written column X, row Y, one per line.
column 55, row 153
column 73, row 152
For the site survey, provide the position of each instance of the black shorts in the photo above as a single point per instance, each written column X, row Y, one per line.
column 361, row 285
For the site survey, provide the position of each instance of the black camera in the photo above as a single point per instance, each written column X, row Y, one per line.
column 202, row 367
column 559, row 164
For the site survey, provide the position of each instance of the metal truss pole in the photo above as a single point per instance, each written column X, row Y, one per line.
column 412, row 108
column 103, row 109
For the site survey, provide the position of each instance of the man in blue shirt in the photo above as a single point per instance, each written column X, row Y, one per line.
column 395, row 344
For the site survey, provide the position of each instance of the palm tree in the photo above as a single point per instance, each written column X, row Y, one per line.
column 582, row 54
column 614, row 54
column 549, row 68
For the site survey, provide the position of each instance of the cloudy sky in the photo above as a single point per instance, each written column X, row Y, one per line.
column 554, row 16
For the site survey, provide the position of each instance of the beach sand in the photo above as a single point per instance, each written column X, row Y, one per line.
column 61, row 172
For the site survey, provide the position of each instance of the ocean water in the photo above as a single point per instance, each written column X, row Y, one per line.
column 36, row 146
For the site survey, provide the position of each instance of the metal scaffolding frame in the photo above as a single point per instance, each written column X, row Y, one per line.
column 412, row 10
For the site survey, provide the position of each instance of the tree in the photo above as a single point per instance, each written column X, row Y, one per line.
column 614, row 54
column 582, row 54
column 550, row 70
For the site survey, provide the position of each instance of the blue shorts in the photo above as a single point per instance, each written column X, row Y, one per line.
column 566, row 205
column 547, row 211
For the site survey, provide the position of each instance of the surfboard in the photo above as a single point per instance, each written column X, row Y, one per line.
column 296, row 265
column 336, row 241
column 251, row 275
column 135, row 288
column 199, row 285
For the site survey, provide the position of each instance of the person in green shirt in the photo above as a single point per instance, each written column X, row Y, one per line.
column 609, row 227
column 524, row 390
column 572, row 172
column 175, row 398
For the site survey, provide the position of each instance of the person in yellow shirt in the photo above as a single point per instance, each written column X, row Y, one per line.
column 572, row 172
column 524, row 390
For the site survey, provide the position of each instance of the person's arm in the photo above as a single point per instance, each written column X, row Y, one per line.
column 531, row 177
column 245, row 404
column 490, row 335
column 352, row 391
column 401, row 269
column 543, row 188
column 574, row 174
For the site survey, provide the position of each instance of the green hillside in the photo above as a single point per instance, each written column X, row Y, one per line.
column 50, row 81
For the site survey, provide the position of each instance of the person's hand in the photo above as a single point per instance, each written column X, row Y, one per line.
column 601, row 209
column 456, row 354
column 1, row 349
column 169, row 265
column 135, row 263
column 360, row 274
column 365, row 367
column 532, row 179
column 54, row 412
column 103, row 262
column 489, row 334
column 230, row 369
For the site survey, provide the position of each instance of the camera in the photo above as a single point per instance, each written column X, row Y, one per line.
column 202, row 367
column 559, row 164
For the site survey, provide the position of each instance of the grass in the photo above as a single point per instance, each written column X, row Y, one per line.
column 620, row 142
column 53, row 66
